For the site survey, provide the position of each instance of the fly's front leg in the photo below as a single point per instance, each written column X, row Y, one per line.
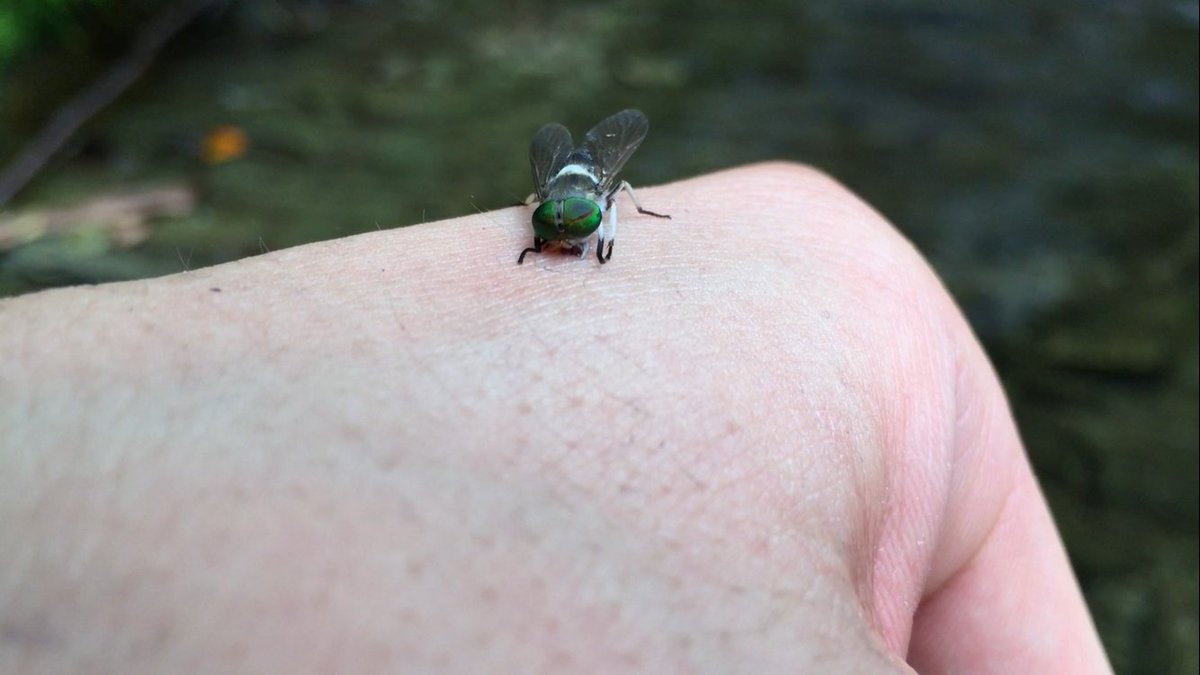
column 612, row 230
column 609, row 235
column 600, row 246
column 633, row 197
column 538, row 243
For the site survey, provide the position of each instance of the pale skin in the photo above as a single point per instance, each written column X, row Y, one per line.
column 761, row 439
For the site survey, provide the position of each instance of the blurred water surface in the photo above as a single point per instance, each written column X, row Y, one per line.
column 1042, row 155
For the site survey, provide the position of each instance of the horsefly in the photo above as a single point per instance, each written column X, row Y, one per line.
column 577, row 186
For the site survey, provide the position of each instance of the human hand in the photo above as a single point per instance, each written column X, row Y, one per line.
column 760, row 439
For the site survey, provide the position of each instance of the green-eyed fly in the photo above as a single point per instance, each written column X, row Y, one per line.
column 577, row 186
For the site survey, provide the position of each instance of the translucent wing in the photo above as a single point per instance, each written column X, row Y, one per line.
column 548, row 153
column 612, row 142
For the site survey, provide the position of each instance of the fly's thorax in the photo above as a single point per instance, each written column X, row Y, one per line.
column 566, row 219
column 572, row 185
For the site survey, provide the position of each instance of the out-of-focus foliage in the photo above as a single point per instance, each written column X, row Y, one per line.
column 24, row 22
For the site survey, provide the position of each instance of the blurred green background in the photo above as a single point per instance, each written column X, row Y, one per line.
column 1042, row 155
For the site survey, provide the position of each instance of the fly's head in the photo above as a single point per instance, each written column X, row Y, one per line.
column 572, row 218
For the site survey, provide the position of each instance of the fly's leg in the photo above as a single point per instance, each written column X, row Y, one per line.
column 633, row 197
column 601, row 254
column 538, row 243
column 529, row 201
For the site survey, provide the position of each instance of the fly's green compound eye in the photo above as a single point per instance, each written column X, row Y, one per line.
column 545, row 221
column 581, row 217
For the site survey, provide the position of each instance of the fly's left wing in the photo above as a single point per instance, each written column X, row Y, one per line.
column 548, row 153
column 612, row 142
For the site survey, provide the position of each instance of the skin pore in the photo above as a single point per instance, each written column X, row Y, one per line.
column 721, row 451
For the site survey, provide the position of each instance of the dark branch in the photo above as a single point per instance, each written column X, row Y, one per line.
column 94, row 98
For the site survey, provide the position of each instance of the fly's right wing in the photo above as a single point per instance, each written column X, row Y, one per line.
column 612, row 142
column 548, row 152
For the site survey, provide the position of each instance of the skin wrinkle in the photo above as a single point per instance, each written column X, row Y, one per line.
column 885, row 397
column 977, row 472
column 1039, row 634
column 921, row 443
column 934, row 490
